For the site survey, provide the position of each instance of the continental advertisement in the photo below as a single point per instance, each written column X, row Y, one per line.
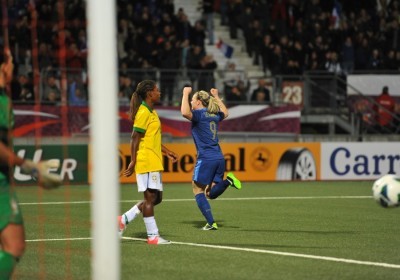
column 249, row 161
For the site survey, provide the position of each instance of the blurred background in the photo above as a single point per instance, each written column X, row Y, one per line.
column 328, row 61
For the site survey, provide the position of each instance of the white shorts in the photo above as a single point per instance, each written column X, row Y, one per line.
column 151, row 180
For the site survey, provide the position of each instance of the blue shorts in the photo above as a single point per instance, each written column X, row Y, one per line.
column 206, row 172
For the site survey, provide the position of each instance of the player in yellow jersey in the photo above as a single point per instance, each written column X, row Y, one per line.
column 146, row 158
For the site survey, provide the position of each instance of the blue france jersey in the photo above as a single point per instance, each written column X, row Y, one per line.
column 205, row 134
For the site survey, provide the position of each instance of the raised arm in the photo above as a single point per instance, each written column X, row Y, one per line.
column 222, row 107
column 185, row 106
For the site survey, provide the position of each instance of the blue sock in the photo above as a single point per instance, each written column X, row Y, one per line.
column 219, row 189
column 204, row 207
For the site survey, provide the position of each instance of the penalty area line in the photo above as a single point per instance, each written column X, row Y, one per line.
column 332, row 259
column 59, row 239
column 304, row 256
column 222, row 199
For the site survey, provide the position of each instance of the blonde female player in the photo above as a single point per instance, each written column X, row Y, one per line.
column 146, row 158
column 205, row 112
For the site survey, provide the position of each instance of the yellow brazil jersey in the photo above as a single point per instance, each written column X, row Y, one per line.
column 149, row 156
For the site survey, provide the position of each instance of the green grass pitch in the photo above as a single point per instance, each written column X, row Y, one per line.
column 285, row 230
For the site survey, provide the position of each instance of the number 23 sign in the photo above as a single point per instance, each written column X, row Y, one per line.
column 292, row 93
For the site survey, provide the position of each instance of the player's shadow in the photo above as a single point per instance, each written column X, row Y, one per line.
column 200, row 224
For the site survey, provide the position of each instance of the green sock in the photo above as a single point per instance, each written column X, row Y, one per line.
column 7, row 262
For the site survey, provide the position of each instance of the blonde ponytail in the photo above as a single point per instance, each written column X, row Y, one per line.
column 208, row 101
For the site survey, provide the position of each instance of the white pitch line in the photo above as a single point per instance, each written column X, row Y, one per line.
column 55, row 203
column 323, row 258
column 59, row 239
column 388, row 265
column 192, row 199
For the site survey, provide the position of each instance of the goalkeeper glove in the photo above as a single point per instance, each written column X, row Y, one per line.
column 40, row 172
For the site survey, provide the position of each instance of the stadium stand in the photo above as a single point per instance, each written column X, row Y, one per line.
column 317, row 43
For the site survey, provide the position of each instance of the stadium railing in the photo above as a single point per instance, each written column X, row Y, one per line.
column 322, row 96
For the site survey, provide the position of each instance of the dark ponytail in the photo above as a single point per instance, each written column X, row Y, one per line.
column 139, row 95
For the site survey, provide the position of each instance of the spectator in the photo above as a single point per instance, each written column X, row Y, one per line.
column 234, row 11
column 332, row 64
column 235, row 96
column 76, row 93
column 393, row 33
column 169, row 62
column 362, row 107
column 146, row 71
column 193, row 62
column 75, row 58
column 247, row 21
column 262, row 87
column 384, row 110
column 78, row 97
column 147, row 48
column 125, row 88
column 222, row 8
column 52, row 87
column 198, row 35
column 375, row 61
column 52, row 98
column 232, row 77
column 390, row 63
column 206, row 73
column 257, row 41
column 313, row 62
column 261, row 97
column 23, row 90
column 183, row 26
column 362, row 55
column 279, row 15
column 278, row 61
column 168, row 7
column 184, row 51
column 397, row 58
column 243, row 87
column 208, row 17
column 298, row 54
column 348, row 56
column 45, row 57
column 267, row 49
column 292, row 68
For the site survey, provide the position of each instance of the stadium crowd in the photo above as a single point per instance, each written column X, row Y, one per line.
column 285, row 37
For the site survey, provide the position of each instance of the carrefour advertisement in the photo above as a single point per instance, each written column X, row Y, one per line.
column 249, row 161
column 359, row 161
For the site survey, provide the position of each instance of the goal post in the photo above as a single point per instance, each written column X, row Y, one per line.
column 102, row 66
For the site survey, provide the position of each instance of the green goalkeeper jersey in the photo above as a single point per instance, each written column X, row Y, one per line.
column 6, row 125
column 10, row 211
column 6, row 113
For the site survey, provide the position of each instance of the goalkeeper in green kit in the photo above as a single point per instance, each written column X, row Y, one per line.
column 12, row 233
